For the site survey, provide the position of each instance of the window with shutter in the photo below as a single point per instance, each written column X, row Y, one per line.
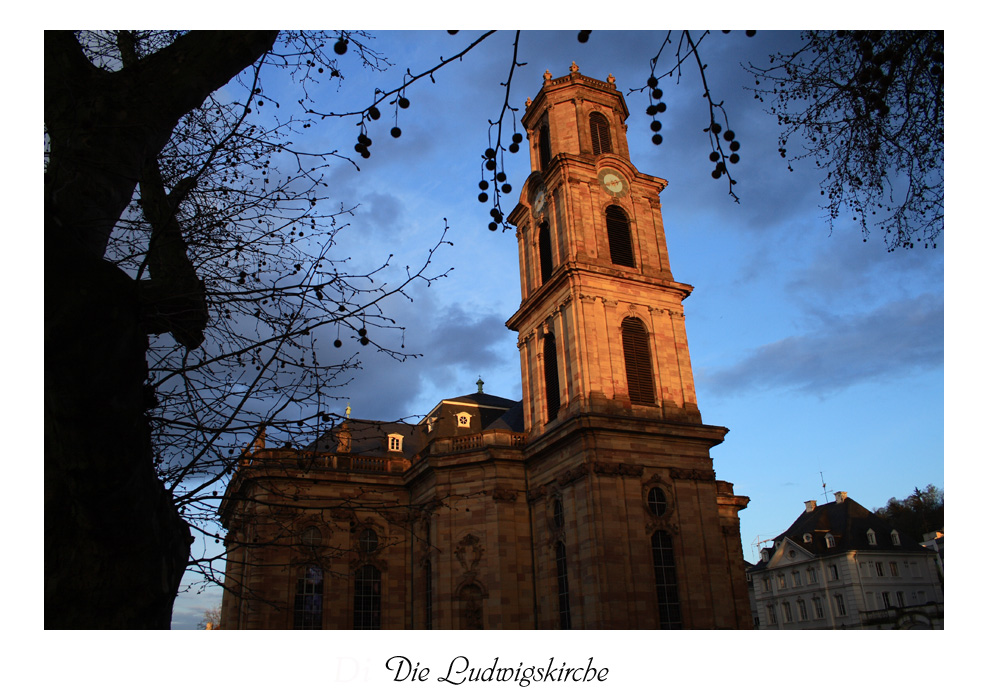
column 551, row 389
column 544, row 247
column 544, row 146
column 636, row 357
column 620, row 241
column 599, row 128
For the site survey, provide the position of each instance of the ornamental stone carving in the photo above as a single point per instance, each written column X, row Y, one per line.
column 469, row 552
column 693, row 474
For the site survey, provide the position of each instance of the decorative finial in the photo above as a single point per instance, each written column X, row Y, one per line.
column 479, row 385
column 574, row 68
column 611, row 80
column 528, row 102
column 348, row 410
column 547, row 75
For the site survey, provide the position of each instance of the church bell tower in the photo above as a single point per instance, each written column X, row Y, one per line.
column 618, row 456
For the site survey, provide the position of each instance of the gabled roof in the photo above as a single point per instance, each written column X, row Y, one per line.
column 848, row 522
column 482, row 400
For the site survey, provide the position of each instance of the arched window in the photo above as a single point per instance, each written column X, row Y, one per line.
column 544, row 146
column 620, row 241
column 308, row 600
column 666, row 577
column 366, row 614
column 636, row 357
column 552, row 392
column 544, row 248
column 599, row 128
column 564, row 609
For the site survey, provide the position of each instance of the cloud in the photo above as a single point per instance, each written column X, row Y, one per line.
column 899, row 337
column 455, row 344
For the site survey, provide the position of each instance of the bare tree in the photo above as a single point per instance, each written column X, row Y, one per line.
column 211, row 619
column 869, row 109
column 189, row 264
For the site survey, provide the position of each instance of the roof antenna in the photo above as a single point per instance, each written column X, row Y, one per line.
column 824, row 491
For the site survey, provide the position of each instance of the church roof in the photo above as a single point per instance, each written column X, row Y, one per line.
column 484, row 400
column 512, row 419
column 369, row 437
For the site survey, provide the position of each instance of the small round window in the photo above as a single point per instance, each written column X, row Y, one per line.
column 311, row 537
column 657, row 502
column 368, row 540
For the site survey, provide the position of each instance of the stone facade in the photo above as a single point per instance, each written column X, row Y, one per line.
column 592, row 503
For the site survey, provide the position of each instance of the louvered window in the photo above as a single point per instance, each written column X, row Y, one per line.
column 666, row 576
column 620, row 242
column 551, row 391
column 599, row 128
column 544, row 247
column 636, row 357
column 544, row 146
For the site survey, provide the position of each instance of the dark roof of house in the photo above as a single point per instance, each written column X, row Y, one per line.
column 368, row 437
column 484, row 400
column 848, row 522
column 512, row 419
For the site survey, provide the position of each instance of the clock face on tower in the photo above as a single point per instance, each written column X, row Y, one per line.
column 613, row 182
column 539, row 200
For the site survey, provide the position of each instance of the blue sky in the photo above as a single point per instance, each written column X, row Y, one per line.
column 821, row 353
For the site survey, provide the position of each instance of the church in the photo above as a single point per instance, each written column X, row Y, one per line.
column 592, row 503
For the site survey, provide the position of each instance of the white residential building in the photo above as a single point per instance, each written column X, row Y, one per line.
column 841, row 566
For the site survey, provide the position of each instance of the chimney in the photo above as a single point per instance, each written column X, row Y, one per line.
column 810, row 505
column 840, row 497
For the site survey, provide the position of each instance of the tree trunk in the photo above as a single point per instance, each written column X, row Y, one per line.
column 115, row 545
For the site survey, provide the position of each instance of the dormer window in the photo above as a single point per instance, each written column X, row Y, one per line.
column 430, row 424
column 462, row 419
column 829, row 540
column 895, row 537
column 395, row 442
column 871, row 537
column 806, row 538
column 765, row 556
